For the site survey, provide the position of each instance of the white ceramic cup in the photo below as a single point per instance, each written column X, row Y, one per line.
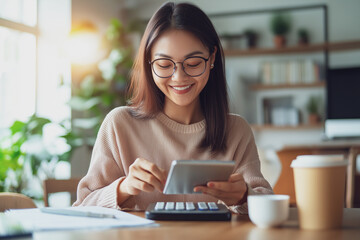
column 267, row 211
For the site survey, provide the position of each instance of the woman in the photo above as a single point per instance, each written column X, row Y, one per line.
column 178, row 110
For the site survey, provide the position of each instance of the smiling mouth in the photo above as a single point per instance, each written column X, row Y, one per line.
column 182, row 87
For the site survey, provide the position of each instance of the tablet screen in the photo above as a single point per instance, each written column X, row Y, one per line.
column 184, row 175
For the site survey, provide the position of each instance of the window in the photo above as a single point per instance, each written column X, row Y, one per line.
column 34, row 73
column 20, row 11
column 18, row 40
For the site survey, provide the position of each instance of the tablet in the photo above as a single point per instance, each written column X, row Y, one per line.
column 184, row 175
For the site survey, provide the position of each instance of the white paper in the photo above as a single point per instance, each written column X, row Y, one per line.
column 35, row 220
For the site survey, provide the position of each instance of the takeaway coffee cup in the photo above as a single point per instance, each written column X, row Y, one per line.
column 320, row 190
column 267, row 211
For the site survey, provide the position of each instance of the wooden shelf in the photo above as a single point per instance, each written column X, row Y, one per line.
column 294, row 49
column 259, row 87
column 258, row 127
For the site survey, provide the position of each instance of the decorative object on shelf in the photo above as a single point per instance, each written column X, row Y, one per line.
column 231, row 41
column 313, row 107
column 303, row 36
column 280, row 24
column 251, row 38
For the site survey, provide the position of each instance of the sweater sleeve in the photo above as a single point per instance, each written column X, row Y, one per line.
column 100, row 185
column 248, row 164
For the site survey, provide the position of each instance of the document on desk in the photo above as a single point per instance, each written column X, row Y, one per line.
column 94, row 218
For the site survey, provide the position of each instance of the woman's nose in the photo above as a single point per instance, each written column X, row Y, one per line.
column 179, row 73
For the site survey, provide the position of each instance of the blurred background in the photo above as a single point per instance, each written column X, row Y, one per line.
column 64, row 64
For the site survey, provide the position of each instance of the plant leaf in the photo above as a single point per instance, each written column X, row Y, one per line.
column 82, row 104
column 87, row 123
column 17, row 126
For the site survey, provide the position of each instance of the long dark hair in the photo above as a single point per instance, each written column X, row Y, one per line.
column 148, row 100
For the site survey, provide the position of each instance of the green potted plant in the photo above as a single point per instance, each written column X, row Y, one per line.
column 280, row 25
column 312, row 106
column 28, row 154
column 303, row 36
column 251, row 37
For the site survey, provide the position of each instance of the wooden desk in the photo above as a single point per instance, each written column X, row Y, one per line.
column 285, row 183
column 239, row 228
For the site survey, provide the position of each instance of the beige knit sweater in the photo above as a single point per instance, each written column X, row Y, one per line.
column 122, row 139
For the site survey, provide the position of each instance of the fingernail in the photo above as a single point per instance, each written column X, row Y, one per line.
column 210, row 184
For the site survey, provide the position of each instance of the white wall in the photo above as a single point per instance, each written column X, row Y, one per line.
column 54, row 26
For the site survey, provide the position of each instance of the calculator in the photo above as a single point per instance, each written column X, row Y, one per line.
column 188, row 211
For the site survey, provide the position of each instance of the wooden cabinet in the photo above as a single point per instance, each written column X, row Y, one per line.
column 350, row 149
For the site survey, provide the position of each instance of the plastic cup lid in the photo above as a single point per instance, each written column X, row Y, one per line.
column 315, row 161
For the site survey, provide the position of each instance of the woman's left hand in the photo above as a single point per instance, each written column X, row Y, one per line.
column 231, row 192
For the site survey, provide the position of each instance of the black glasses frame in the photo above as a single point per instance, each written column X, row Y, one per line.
column 182, row 66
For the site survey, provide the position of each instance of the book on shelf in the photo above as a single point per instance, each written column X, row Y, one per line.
column 290, row 72
column 279, row 111
column 284, row 116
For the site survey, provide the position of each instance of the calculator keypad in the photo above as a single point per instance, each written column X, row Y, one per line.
column 190, row 206
column 188, row 211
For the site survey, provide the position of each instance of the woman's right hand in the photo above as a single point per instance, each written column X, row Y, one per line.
column 143, row 176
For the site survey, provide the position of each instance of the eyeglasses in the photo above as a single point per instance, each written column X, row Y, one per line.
column 192, row 66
